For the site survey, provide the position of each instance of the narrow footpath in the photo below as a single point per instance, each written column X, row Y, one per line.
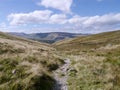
column 61, row 76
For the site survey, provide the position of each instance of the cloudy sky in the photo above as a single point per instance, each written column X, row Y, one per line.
column 78, row 16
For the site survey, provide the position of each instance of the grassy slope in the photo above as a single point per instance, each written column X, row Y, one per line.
column 92, row 41
column 95, row 61
column 26, row 64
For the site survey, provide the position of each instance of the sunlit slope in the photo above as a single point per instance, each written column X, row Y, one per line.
column 26, row 64
column 95, row 61
column 92, row 41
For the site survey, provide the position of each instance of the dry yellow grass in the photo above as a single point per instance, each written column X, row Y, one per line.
column 26, row 64
column 95, row 61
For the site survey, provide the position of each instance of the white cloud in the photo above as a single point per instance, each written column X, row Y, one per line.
column 2, row 25
column 63, row 5
column 38, row 17
column 58, row 18
column 32, row 17
column 96, row 23
column 85, row 24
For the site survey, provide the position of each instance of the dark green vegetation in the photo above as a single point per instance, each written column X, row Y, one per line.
column 95, row 61
column 48, row 37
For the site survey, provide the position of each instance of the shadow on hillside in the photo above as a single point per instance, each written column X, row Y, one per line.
column 43, row 82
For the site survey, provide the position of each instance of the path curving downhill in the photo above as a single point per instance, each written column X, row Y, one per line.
column 61, row 76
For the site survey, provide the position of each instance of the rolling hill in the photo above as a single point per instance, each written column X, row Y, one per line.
column 48, row 37
column 95, row 61
column 26, row 64
column 92, row 63
column 91, row 41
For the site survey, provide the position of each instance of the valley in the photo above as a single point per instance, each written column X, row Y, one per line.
column 49, row 37
column 82, row 63
column 60, row 45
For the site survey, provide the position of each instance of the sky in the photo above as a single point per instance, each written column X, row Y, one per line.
column 75, row 16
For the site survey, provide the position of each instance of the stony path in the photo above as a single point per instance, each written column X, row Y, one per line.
column 61, row 76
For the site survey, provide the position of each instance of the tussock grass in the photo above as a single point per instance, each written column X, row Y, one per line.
column 95, row 61
column 94, row 72
column 26, row 64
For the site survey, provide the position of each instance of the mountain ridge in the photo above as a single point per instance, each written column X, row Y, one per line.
column 49, row 37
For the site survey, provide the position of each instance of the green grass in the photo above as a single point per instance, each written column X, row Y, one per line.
column 8, row 65
column 95, row 74
column 6, row 48
column 89, row 42
column 26, row 64
column 95, row 60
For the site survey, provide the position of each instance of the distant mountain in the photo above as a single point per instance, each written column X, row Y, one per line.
column 48, row 37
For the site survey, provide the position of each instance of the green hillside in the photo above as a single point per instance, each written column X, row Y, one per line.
column 89, row 42
column 26, row 64
column 95, row 61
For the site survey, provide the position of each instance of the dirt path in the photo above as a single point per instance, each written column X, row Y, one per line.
column 61, row 76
